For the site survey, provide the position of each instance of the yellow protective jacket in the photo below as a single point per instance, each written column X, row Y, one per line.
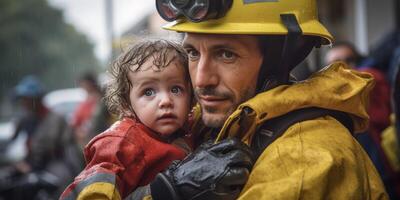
column 314, row 159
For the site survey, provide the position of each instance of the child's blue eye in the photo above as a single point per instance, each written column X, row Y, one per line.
column 176, row 89
column 149, row 92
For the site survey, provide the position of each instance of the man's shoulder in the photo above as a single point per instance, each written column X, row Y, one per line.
column 321, row 135
column 309, row 155
column 318, row 144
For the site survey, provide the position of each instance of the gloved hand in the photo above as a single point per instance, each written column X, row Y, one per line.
column 212, row 172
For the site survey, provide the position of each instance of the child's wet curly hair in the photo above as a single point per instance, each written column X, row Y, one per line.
column 131, row 60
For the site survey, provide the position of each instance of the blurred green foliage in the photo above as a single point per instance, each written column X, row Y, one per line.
column 34, row 39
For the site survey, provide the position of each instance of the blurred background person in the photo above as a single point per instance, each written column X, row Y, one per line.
column 343, row 51
column 379, row 109
column 101, row 120
column 384, row 53
column 379, row 112
column 396, row 104
column 48, row 136
column 390, row 136
column 83, row 114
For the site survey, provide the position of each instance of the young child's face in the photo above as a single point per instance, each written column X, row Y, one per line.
column 160, row 99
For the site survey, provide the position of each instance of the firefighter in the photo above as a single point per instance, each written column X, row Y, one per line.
column 240, row 54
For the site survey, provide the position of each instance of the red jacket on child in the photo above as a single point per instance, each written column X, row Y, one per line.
column 119, row 160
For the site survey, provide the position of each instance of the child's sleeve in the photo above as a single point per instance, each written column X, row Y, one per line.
column 110, row 161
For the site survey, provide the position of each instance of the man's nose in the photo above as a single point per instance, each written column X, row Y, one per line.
column 166, row 101
column 205, row 74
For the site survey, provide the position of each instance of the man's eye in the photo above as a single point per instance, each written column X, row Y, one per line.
column 192, row 54
column 176, row 89
column 149, row 92
column 227, row 55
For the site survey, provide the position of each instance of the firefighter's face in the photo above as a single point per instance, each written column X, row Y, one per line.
column 160, row 99
column 224, row 71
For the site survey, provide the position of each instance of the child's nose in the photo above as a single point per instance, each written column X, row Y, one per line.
column 166, row 101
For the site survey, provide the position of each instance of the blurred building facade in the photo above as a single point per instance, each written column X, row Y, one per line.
column 150, row 26
column 362, row 21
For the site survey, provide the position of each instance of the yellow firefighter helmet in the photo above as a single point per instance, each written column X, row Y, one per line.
column 259, row 17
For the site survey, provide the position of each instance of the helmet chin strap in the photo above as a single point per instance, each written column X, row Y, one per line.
column 276, row 73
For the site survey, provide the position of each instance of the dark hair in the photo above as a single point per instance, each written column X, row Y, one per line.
column 131, row 60
column 90, row 77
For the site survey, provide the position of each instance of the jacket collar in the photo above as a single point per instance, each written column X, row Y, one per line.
column 335, row 87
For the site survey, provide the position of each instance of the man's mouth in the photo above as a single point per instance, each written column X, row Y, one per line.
column 211, row 100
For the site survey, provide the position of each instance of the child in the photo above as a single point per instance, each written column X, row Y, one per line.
column 151, row 92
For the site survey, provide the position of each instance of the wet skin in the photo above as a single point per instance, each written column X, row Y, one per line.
column 160, row 99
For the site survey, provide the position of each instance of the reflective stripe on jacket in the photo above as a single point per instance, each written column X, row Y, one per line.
column 124, row 157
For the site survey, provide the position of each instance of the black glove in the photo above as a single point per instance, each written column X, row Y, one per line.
column 213, row 171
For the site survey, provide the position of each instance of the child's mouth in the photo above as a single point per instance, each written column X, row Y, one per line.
column 167, row 116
